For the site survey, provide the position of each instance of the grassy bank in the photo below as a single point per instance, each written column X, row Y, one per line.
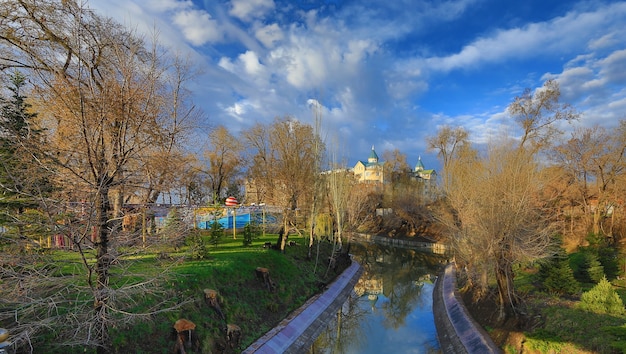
column 229, row 268
column 551, row 323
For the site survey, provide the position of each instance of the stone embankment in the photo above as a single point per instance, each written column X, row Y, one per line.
column 417, row 242
column 297, row 332
column 456, row 329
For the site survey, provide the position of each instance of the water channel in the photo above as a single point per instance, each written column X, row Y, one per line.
column 390, row 309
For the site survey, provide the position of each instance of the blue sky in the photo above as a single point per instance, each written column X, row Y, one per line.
column 388, row 73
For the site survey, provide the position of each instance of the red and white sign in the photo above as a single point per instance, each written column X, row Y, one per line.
column 231, row 201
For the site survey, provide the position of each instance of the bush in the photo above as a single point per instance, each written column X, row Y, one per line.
column 589, row 269
column 197, row 248
column 602, row 299
column 216, row 232
column 250, row 232
column 557, row 276
column 608, row 257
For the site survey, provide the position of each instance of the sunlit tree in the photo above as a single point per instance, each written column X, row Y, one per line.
column 102, row 94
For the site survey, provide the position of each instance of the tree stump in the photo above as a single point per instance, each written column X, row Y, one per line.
column 185, row 336
column 263, row 274
column 211, row 298
column 233, row 335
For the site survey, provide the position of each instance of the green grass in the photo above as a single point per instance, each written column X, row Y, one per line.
column 228, row 268
column 562, row 328
column 577, row 329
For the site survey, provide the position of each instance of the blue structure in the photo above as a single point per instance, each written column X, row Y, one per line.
column 242, row 220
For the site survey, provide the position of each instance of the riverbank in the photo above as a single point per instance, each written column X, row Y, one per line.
column 457, row 331
column 413, row 242
column 297, row 332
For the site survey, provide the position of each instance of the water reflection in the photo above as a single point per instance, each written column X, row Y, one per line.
column 391, row 308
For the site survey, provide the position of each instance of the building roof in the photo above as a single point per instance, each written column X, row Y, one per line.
column 373, row 156
column 419, row 166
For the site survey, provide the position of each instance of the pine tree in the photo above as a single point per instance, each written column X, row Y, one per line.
column 602, row 299
column 557, row 276
column 22, row 179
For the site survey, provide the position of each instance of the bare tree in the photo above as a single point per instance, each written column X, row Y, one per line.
column 340, row 183
column 395, row 166
column 259, row 174
column 164, row 162
column 448, row 143
column 498, row 218
column 283, row 165
column 364, row 199
column 318, row 186
column 594, row 157
column 537, row 113
column 498, row 214
column 224, row 158
column 100, row 91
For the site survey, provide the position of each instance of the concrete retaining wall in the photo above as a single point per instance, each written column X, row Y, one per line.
column 456, row 329
column 417, row 243
column 296, row 333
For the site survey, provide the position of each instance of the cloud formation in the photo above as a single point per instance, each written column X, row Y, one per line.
column 388, row 73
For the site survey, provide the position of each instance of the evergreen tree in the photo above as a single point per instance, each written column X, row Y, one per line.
column 602, row 299
column 216, row 232
column 250, row 232
column 593, row 268
column 23, row 181
column 557, row 276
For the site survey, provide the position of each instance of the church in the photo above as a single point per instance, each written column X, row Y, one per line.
column 372, row 170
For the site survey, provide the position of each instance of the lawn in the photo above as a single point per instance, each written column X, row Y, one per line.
column 177, row 279
column 555, row 324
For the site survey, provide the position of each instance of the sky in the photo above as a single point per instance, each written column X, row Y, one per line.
column 389, row 73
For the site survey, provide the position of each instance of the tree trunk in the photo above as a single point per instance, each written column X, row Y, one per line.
column 596, row 220
column 285, row 234
column 311, row 238
column 506, row 289
column 103, row 264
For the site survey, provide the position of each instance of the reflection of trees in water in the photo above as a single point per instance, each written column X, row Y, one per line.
column 402, row 302
column 344, row 333
column 402, row 272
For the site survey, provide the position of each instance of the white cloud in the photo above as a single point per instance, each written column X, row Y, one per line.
column 168, row 5
column 251, row 63
column 613, row 67
column 606, row 40
column 246, row 10
column 248, row 67
column 269, row 35
column 559, row 35
column 198, row 26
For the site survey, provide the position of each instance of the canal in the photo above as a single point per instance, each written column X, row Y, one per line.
column 390, row 309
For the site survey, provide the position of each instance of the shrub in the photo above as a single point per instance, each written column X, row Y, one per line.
column 216, row 232
column 557, row 276
column 602, row 299
column 250, row 232
column 197, row 247
column 589, row 269
column 595, row 270
column 173, row 220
